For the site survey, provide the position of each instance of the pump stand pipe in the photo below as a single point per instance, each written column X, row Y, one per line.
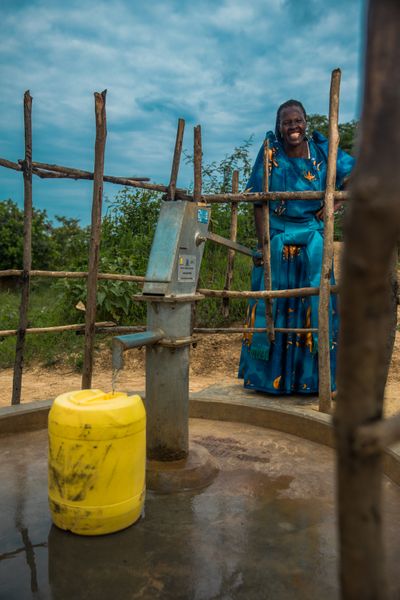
column 135, row 340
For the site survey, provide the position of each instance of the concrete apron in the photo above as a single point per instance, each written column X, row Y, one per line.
column 264, row 528
column 293, row 415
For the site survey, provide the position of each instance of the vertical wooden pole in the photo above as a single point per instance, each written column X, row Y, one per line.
column 101, row 134
column 233, row 237
column 324, row 349
column 176, row 159
column 197, row 156
column 266, row 247
column 27, row 256
column 366, row 308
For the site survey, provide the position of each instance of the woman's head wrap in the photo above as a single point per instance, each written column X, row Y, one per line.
column 295, row 103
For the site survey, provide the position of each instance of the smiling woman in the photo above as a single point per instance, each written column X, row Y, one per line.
column 297, row 162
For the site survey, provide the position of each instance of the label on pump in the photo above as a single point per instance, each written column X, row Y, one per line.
column 202, row 215
column 187, row 267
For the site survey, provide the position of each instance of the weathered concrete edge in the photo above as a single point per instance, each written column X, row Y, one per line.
column 24, row 417
column 302, row 423
column 305, row 423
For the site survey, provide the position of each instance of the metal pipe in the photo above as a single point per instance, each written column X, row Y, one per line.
column 133, row 340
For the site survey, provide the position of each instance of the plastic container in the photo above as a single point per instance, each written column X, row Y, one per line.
column 97, row 461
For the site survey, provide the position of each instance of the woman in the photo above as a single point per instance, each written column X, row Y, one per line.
column 297, row 163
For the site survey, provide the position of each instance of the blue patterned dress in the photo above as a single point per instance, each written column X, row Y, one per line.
column 290, row 364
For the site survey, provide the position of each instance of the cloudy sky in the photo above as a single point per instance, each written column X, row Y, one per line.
column 224, row 64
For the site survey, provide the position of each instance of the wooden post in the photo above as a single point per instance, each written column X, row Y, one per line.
column 266, row 247
column 176, row 159
column 101, row 134
column 324, row 346
column 233, row 237
column 27, row 255
column 197, row 160
column 372, row 231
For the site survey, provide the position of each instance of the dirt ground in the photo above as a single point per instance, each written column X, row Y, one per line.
column 214, row 361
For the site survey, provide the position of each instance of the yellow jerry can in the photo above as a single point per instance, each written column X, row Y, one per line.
column 97, row 461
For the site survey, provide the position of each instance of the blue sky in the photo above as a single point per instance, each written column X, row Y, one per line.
column 226, row 65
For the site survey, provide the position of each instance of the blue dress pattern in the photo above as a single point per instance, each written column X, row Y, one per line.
column 290, row 364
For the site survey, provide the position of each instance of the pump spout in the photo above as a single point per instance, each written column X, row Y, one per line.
column 134, row 340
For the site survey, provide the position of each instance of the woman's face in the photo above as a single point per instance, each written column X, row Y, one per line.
column 292, row 126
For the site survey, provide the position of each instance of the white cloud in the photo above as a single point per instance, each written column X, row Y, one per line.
column 226, row 65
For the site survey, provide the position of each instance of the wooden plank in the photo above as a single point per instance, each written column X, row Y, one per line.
column 367, row 308
column 101, row 134
column 197, row 164
column 266, row 247
column 176, row 159
column 324, row 349
column 27, row 252
column 233, row 237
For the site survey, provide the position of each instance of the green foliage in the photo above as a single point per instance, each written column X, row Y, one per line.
column 71, row 244
column 113, row 297
column 52, row 247
column 127, row 234
column 347, row 131
column 11, row 238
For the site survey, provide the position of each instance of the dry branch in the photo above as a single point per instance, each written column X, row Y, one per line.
column 263, row 196
column 73, row 275
column 176, row 160
column 324, row 349
column 27, row 253
column 46, row 170
column 375, row 437
column 231, row 251
column 10, row 165
column 295, row 292
column 266, row 246
column 101, row 134
column 367, row 307
column 55, row 329
column 197, row 162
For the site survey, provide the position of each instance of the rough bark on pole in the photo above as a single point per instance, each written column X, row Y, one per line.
column 266, row 247
column 176, row 160
column 41, row 168
column 291, row 293
column 261, row 196
column 197, row 164
column 27, row 253
column 233, row 237
column 55, row 329
column 324, row 347
column 101, row 134
column 372, row 231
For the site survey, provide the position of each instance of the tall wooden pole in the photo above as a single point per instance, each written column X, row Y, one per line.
column 372, row 231
column 266, row 247
column 233, row 237
column 176, row 160
column 324, row 347
column 197, row 164
column 27, row 255
column 94, row 252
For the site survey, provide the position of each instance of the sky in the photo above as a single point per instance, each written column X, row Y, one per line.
column 226, row 65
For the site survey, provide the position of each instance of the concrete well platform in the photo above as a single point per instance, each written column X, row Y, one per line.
column 264, row 529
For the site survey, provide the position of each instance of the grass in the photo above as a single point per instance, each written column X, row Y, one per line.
column 49, row 306
column 45, row 310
